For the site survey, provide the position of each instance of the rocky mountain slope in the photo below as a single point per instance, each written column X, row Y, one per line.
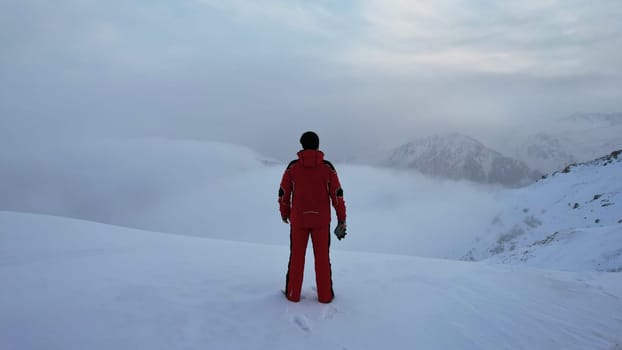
column 459, row 157
column 573, row 217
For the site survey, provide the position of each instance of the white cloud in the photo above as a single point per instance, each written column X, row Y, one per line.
column 302, row 16
column 379, row 69
column 448, row 58
column 533, row 37
column 194, row 187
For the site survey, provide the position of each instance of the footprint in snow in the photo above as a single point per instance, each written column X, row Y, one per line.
column 329, row 312
column 302, row 322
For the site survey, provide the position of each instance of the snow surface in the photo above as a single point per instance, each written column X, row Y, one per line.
column 70, row 284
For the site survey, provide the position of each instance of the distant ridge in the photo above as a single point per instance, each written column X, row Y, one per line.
column 576, row 138
column 459, row 157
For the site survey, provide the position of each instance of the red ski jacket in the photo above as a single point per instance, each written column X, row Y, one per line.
column 308, row 187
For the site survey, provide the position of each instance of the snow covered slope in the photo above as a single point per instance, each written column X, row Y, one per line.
column 458, row 157
column 69, row 284
column 571, row 220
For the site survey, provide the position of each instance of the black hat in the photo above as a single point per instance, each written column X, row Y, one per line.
column 310, row 140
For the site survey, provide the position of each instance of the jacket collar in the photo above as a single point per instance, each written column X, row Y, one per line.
column 311, row 158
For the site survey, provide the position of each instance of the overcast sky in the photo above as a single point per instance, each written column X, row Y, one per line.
column 363, row 74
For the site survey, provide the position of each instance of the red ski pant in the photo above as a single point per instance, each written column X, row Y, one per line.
column 320, row 238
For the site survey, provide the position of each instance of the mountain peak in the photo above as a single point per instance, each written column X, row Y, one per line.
column 450, row 139
column 457, row 156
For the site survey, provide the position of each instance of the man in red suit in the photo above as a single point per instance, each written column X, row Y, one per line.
column 309, row 186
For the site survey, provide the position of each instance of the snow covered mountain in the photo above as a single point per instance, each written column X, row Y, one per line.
column 459, row 157
column 577, row 138
column 72, row 284
column 570, row 220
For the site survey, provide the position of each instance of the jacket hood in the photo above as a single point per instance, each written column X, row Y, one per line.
column 311, row 158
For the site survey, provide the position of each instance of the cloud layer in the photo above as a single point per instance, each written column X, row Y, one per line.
column 260, row 73
column 222, row 191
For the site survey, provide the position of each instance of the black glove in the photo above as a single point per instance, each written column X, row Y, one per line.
column 340, row 230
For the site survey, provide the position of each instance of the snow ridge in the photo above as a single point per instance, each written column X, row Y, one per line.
column 570, row 220
column 457, row 157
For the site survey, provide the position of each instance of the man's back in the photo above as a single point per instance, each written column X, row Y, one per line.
column 308, row 187
column 313, row 183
